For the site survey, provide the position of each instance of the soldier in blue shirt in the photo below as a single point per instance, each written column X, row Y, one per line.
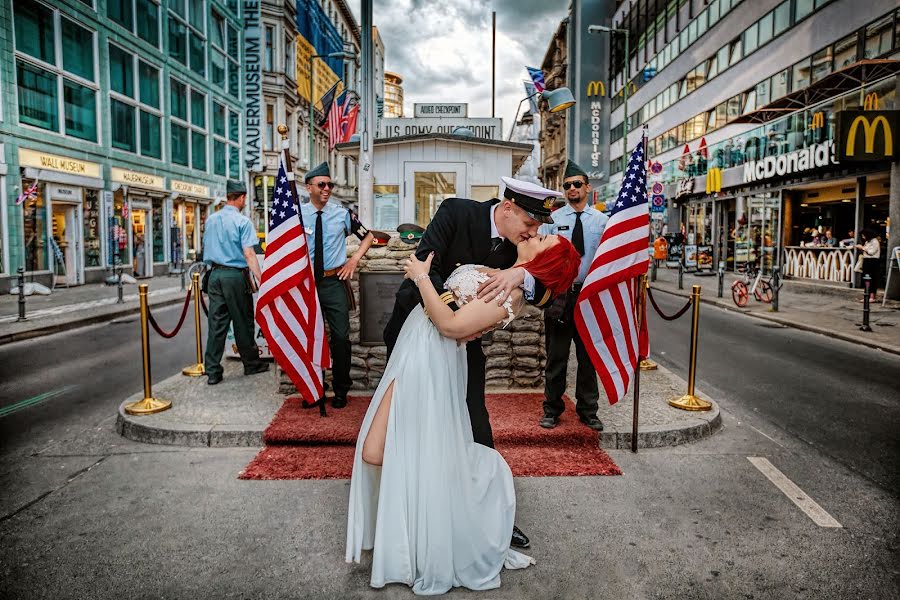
column 228, row 241
column 327, row 227
column 583, row 225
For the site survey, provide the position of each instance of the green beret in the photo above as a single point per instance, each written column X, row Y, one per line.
column 319, row 171
column 410, row 232
column 235, row 187
column 573, row 170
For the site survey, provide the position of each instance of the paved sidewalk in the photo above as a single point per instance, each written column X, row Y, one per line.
column 68, row 308
column 835, row 312
column 237, row 411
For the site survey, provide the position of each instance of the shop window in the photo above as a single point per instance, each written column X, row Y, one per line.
column 822, row 63
column 118, row 233
column 77, row 49
column 37, row 91
column 148, row 21
column 802, row 9
column 122, row 119
column 878, row 37
column 151, row 135
column 34, row 229
column 800, row 75
column 178, row 41
column 120, row 11
column 765, row 28
column 179, row 145
column 121, row 71
column 198, row 151
column 92, row 240
column 80, row 109
column 782, row 18
column 159, row 246
column 34, row 30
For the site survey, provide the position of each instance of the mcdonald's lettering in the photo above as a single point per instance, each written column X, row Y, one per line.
column 714, row 180
column 596, row 88
column 871, row 101
column 818, row 121
column 877, row 129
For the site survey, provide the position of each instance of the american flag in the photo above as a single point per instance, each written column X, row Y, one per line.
column 336, row 118
column 287, row 308
column 537, row 76
column 604, row 313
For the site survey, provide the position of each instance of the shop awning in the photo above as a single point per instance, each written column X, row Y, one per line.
column 832, row 85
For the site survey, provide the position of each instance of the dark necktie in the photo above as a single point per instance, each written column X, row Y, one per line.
column 496, row 243
column 578, row 235
column 319, row 260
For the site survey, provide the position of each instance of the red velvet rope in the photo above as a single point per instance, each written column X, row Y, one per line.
column 174, row 332
column 661, row 313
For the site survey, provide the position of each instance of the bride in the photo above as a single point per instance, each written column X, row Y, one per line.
column 436, row 508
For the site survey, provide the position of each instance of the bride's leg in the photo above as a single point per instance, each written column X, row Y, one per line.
column 373, row 447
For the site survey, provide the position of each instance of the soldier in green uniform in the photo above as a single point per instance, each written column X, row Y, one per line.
column 228, row 241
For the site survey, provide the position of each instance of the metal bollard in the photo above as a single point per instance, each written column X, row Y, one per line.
column 654, row 264
column 119, row 289
column 689, row 401
column 721, row 291
column 867, row 283
column 182, row 275
column 680, row 275
column 776, row 285
column 22, row 317
column 149, row 404
column 196, row 370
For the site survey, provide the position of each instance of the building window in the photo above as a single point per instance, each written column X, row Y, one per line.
column 135, row 103
column 121, row 11
column 803, row 9
column 187, row 42
column 289, row 58
column 782, row 17
column 233, row 65
column 800, row 75
column 270, row 127
column 878, row 37
column 188, row 126
column 822, row 63
column 45, row 91
column 270, row 50
column 123, row 126
column 140, row 17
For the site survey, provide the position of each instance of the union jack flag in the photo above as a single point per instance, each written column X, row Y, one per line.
column 287, row 308
column 28, row 194
column 604, row 313
column 537, row 76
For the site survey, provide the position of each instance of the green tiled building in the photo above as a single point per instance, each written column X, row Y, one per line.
column 120, row 122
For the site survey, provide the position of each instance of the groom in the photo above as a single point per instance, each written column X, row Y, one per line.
column 480, row 233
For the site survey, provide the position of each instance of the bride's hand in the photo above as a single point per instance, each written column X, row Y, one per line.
column 413, row 267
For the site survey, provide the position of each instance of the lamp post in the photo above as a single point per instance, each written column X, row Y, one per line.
column 611, row 31
column 312, row 112
column 557, row 100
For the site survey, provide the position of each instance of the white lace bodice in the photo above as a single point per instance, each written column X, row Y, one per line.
column 464, row 283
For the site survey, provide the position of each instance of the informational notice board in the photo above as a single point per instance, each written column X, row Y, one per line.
column 377, row 291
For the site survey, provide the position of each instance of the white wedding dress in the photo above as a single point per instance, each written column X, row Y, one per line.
column 439, row 512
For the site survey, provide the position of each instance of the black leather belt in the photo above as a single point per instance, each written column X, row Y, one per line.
column 218, row 266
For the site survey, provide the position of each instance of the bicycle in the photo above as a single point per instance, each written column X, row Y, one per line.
column 752, row 282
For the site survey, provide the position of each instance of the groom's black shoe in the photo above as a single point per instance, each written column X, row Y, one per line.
column 519, row 539
column 339, row 401
column 549, row 421
column 592, row 422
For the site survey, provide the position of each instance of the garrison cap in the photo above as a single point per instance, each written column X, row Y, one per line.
column 410, row 232
column 381, row 238
column 535, row 200
column 235, row 187
column 320, row 171
column 573, row 170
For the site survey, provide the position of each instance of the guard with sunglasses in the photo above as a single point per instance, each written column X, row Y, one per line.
column 327, row 226
column 583, row 224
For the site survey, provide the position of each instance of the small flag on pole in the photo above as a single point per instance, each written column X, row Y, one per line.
column 604, row 312
column 28, row 194
column 537, row 76
column 327, row 102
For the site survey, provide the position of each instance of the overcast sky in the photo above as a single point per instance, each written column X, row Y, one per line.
column 442, row 48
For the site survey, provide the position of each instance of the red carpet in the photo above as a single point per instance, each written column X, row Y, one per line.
column 301, row 445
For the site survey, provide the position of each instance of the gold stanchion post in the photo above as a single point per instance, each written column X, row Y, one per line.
column 196, row 370
column 149, row 404
column 689, row 401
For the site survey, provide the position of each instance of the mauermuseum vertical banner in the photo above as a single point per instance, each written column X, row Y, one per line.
column 588, row 78
column 252, row 86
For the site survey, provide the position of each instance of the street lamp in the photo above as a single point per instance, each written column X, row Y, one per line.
column 344, row 55
column 557, row 100
column 611, row 31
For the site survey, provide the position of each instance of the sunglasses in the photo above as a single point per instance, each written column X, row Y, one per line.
column 325, row 184
column 569, row 184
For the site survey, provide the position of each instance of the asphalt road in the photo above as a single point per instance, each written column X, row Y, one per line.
column 840, row 398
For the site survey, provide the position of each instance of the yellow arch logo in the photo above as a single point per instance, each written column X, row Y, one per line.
column 714, row 180
column 869, row 129
column 818, row 121
column 596, row 88
column 871, row 102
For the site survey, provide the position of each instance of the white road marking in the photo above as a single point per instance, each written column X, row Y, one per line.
column 765, row 436
column 796, row 495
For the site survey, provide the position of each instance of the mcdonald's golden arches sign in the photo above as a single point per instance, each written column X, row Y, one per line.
column 867, row 135
column 713, row 180
column 595, row 88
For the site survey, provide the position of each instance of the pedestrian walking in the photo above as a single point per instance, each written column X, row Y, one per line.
column 327, row 226
column 583, row 225
column 228, row 241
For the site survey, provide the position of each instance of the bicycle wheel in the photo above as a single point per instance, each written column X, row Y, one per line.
column 197, row 267
column 764, row 292
column 739, row 293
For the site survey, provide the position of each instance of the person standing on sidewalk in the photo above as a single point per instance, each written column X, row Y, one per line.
column 327, row 227
column 228, row 241
column 583, row 225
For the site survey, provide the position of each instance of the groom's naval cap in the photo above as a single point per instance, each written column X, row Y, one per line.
column 535, row 200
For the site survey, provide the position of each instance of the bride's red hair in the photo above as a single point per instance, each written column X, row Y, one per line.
column 556, row 267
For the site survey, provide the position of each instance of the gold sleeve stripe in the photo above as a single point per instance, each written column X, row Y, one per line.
column 544, row 299
column 447, row 297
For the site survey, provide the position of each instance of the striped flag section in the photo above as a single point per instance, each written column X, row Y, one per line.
column 605, row 310
column 287, row 308
column 537, row 77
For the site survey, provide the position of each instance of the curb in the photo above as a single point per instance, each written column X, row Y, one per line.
column 19, row 336
column 788, row 323
column 216, row 436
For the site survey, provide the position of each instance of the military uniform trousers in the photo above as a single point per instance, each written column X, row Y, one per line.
column 229, row 301
column 558, row 341
column 336, row 308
